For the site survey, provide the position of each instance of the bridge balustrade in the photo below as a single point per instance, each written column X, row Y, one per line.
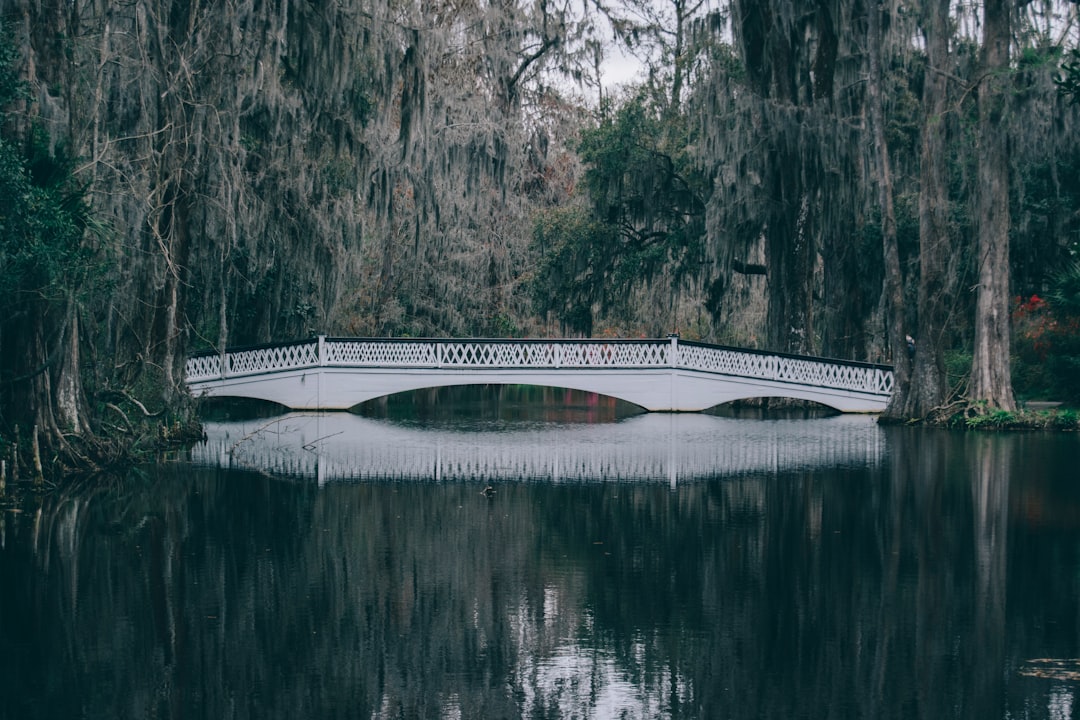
column 413, row 355
column 498, row 353
column 862, row 377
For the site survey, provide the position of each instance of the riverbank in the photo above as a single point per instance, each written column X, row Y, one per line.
column 1031, row 416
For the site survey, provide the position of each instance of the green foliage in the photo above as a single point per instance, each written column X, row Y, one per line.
column 648, row 207
column 573, row 257
column 994, row 419
column 12, row 87
column 902, row 130
column 1046, row 340
column 979, row 417
column 957, row 367
column 43, row 215
column 641, row 178
column 1068, row 82
column 1064, row 295
column 502, row 326
column 42, row 211
column 47, row 259
column 1045, row 217
column 1065, row 420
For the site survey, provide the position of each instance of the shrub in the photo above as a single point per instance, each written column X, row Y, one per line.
column 1046, row 341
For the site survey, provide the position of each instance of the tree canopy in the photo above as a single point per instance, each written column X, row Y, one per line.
column 817, row 176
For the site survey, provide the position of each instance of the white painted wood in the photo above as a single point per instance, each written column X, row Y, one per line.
column 661, row 375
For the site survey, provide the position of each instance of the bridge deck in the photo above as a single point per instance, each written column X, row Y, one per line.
column 667, row 374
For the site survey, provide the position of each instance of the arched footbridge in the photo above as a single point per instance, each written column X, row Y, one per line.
column 658, row 375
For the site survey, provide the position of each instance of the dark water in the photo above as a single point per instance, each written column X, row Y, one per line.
column 851, row 572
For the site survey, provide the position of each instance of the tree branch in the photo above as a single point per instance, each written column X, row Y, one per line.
column 511, row 85
column 745, row 268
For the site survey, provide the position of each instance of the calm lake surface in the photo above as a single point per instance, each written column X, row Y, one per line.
column 638, row 566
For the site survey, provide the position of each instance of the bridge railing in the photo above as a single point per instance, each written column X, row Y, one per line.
column 498, row 353
column 820, row 372
column 543, row 354
column 253, row 361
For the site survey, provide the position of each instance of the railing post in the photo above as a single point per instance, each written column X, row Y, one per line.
column 438, row 353
column 321, row 351
column 673, row 381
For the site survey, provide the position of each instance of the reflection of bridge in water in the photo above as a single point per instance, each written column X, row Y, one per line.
column 648, row 447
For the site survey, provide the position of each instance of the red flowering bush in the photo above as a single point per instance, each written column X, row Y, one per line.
column 1046, row 343
column 1033, row 325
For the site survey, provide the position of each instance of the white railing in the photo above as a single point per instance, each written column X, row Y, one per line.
column 498, row 353
column 543, row 354
column 292, row 356
column 859, row 377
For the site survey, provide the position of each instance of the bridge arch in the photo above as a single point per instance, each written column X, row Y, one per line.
column 657, row 375
column 511, row 394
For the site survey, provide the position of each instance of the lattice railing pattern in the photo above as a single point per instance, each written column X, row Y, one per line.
column 806, row 371
column 824, row 374
column 252, row 362
column 203, row 367
column 285, row 357
column 380, row 353
column 536, row 354
column 728, row 362
column 496, row 354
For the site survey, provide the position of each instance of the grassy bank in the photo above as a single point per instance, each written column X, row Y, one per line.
column 1035, row 417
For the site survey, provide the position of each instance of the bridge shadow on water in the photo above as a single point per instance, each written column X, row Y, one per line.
column 512, row 434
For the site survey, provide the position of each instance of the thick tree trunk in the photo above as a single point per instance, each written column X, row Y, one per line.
column 894, row 291
column 771, row 57
column 929, row 388
column 991, row 380
column 72, row 412
column 789, row 253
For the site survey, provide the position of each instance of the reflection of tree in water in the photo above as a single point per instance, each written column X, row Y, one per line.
column 861, row 593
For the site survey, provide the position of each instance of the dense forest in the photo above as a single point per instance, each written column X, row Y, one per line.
column 829, row 177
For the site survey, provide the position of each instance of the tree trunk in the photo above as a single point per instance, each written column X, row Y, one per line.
column 929, row 388
column 894, row 291
column 72, row 413
column 991, row 380
column 770, row 53
column 789, row 254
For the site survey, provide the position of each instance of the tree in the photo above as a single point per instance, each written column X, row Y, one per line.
column 937, row 250
column 574, row 262
column 1068, row 81
column 278, row 169
column 647, row 199
column 47, row 268
column 787, row 164
column 894, row 294
column 991, row 380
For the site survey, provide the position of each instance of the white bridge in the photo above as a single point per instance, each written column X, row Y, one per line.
column 657, row 375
